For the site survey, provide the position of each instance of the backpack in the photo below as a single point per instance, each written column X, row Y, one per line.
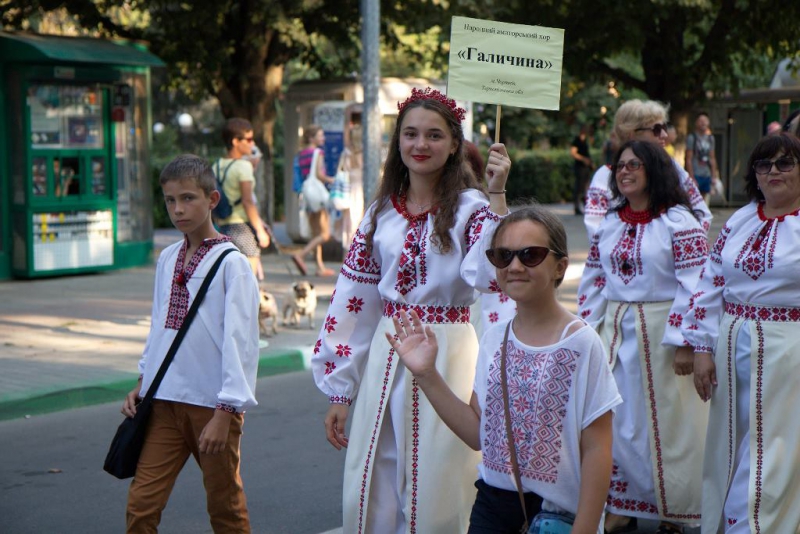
column 224, row 208
column 297, row 181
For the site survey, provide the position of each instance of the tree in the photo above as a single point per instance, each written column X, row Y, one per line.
column 234, row 50
column 676, row 51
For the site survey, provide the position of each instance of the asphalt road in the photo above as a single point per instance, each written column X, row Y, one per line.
column 52, row 482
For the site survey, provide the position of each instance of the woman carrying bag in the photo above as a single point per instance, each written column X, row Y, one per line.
column 316, row 198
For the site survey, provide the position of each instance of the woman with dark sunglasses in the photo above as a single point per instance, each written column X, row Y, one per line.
column 744, row 325
column 644, row 262
column 642, row 121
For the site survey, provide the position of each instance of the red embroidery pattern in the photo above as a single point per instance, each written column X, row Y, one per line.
column 330, row 324
column 757, row 253
column 179, row 293
column 719, row 244
column 600, row 282
column 317, row 346
column 694, row 193
column 759, row 427
column 429, row 314
column 689, row 248
column 626, row 257
column 494, row 287
column 597, row 201
column 731, row 365
column 654, row 421
column 329, row 367
column 355, row 304
column 593, row 259
column 359, row 265
column 337, row 399
column 540, row 385
column 343, row 351
column 407, row 271
column 612, row 347
column 731, row 521
column 475, row 225
column 616, row 496
column 414, row 454
column 503, row 298
column 778, row 314
column 719, row 281
column 226, row 408
column 675, row 319
column 372, row 440
column 494, row 317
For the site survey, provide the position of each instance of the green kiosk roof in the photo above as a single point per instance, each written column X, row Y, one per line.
column 29, row 47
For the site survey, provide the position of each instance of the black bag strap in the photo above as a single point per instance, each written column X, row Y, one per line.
column 221, row 181
column 201, row 293
column 512, row 448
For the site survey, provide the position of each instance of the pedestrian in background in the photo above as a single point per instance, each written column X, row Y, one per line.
column 244, row 225
column 312, row 167
column 701, row 158
column 420, row 246
column 582, row 167
column 744, row 326
column 352, row 162
column 198, row 409
column 644, row 261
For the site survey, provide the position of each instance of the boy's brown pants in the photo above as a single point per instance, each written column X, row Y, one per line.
column 172, row 434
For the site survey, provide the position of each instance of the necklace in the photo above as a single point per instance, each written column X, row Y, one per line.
column 420, row 207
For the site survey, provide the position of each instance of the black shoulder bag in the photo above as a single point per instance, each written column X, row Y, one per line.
column 123, row 455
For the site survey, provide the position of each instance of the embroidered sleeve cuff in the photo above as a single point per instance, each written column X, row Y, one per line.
column 701, row 348
column 227, row 408
column 336, row 399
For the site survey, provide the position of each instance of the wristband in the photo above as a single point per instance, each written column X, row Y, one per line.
column 503, row 192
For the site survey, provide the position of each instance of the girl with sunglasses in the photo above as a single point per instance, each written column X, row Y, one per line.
column 744, row 326
column 644, row 262
column 418, row 247
column 642, row 121
column 560, row 388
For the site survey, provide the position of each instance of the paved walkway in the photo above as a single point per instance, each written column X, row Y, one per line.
column 72, row 341
column 75, row 340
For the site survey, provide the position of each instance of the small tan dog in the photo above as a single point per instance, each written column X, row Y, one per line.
column 302, row 301
column 267, row 309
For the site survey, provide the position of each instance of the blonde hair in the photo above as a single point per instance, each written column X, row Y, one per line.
column 638, row 114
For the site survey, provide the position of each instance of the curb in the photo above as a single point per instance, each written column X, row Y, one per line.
column 275, row 362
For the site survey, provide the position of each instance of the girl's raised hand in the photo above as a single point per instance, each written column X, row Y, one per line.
column 414, row 344
column 497, row 167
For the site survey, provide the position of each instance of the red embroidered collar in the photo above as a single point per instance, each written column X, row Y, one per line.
column 399, row 203
column 779, row 218
column 627, row 215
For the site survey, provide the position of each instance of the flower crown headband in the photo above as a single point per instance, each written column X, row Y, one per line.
column 433, row 94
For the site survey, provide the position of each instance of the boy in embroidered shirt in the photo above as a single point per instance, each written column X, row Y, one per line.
column 198, row 408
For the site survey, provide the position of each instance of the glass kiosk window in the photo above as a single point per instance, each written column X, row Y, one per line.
column 66, row 116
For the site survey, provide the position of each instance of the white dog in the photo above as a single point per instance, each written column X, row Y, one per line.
column 302, row 301
column 267, row 310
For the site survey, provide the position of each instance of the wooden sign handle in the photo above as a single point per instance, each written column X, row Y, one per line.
column 497, row 124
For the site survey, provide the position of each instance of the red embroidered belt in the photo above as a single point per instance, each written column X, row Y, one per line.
column 780, row 314
column 429, row 314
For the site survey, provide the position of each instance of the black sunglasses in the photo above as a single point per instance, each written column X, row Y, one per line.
column 529, row 256
column 656, row 129
column 784, row 164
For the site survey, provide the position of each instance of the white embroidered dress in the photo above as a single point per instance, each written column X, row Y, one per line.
column 405, row 471
column 635, row 289
column 555, row 392
column 747, row 312
column 599, row 200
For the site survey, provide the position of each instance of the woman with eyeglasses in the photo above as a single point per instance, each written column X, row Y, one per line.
column 642, row 121
column 744, row 326
column 644, row 261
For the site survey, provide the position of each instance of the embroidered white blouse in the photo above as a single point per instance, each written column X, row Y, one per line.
column 599, row 200
column 555, row 392
column 647, row 261
column 753, row 267
column 217, row 362
column 404, row 270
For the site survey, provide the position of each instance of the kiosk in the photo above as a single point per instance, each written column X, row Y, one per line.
column 74, row 155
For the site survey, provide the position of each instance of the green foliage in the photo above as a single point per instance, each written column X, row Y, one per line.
column 545, row 175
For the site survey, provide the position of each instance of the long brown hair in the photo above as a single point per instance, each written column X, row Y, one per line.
column 457, row 175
